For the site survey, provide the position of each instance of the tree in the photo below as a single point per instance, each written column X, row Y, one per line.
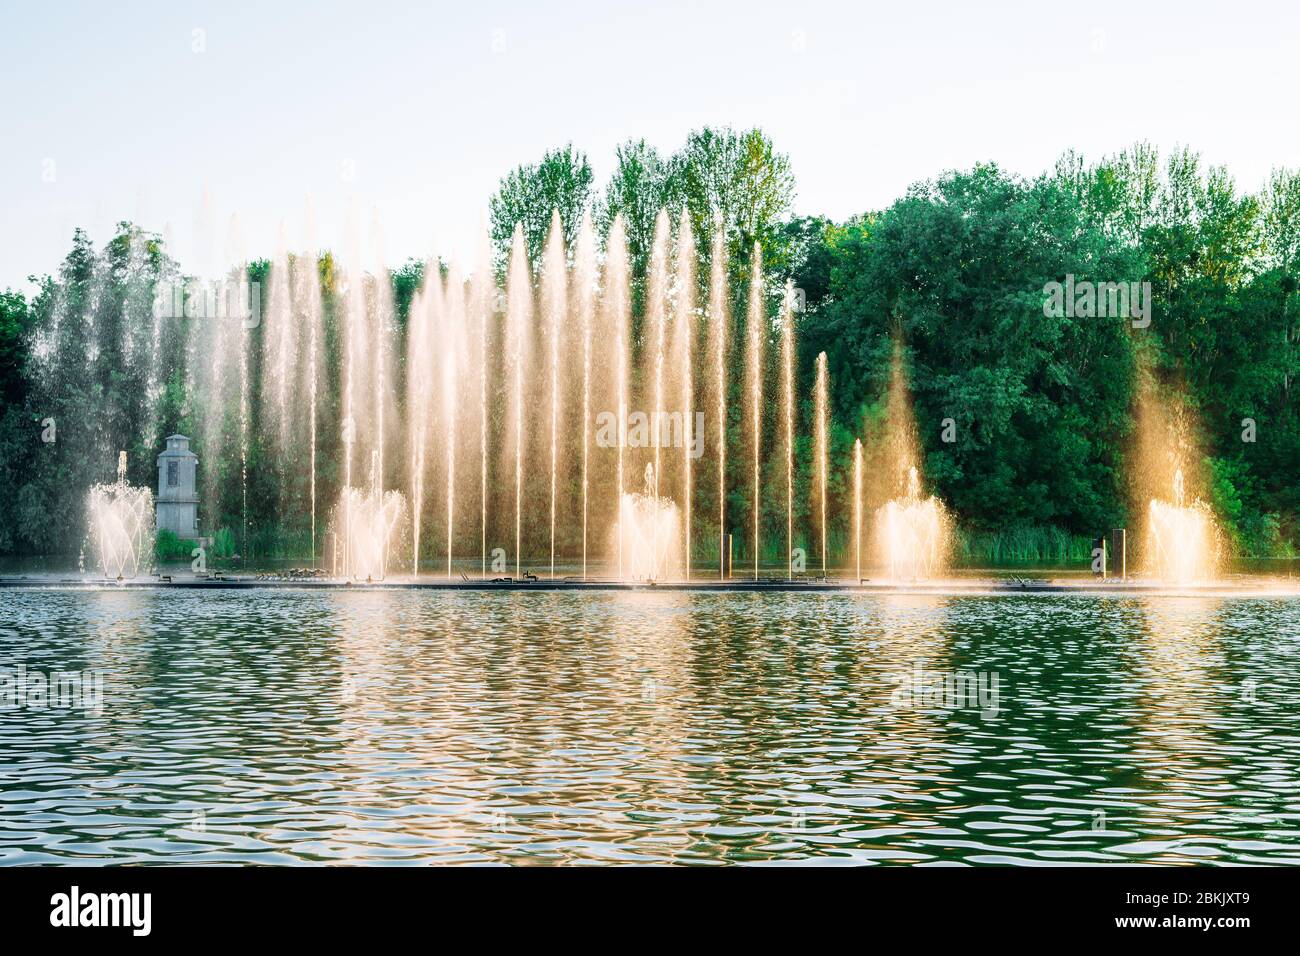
column 1281, row 238
column 18, row 432
column 808, row 242
column 956, row 271
column 740, row 182
column 642, row 183
column 13, row 348
column 736, row 181
column 530, row 193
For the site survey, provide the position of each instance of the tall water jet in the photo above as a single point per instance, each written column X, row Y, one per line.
column 453, row 351
column 621, row 357
column 425, row 310
column 912, row 530
column 519, row 313
column 1182, row 542
column 821, row 409
column 683, row 364
column 482, row 301
column 857, row 506
column 656, row 324
column 584, row 266
column 308, row 281
column 787, row 417
column 616, row 318
column 554, row 310
column 717, row 358
column 755, row 322
column 239, row 278
column 367, row 385
column 243, row 433
column 354, row 339
column 279, row 351
column 213, row 344
column 121, row 525
column 381, row 326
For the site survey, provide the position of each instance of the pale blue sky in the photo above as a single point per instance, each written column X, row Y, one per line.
column 110, row 113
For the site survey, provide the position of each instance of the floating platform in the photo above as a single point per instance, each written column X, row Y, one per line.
column 956, row 587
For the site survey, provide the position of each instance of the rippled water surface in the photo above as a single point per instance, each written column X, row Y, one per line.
column 402, row 726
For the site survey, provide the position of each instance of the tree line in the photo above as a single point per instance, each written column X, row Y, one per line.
column 1025, row 414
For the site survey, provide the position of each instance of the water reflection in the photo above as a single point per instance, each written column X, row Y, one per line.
column 1196, row 738
column 398, row 726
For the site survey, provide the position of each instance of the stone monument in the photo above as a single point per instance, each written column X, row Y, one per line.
column 178, row 504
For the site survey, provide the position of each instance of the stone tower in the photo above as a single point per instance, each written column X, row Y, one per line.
column 178, row 504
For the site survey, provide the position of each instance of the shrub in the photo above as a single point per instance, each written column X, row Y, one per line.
column 223, row 543
column 168, row 546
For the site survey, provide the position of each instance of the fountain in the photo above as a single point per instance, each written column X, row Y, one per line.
column 475, row 397
column 519, row 314
column 821, row 409
column 1183, row 538
column 482, row 295
column 554, row 312
column 426, row 311
column 857, row 508
column 454, row 346
column 370, row 522
column 657, row 322
column 472, row 397
column 308, row 282
column 756, row 333
column 584, row 267
column 787, row 417
column 614, row 385
column 121, row 525
column 1182, row 542
column 649, row 525
column 913, row 531
column 717, row 358
column 683, row 358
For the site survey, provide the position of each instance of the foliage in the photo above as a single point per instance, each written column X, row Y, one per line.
column 956, row 270
column 643, row 182
column 530, row 193
column 168, row 546
column 223, row 543
column 953, row 273
column 1021, row 546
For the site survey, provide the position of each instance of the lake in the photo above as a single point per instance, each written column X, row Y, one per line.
column 289, row 726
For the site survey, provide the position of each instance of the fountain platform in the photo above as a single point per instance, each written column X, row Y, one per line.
column 972, row 587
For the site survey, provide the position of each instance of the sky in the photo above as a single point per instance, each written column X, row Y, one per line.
column 410, row 113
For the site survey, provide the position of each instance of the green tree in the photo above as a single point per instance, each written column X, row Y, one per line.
column 18, row 432
column 739, row 182
column 642, row 183
column 13, row 347
column 956, row 270
column 530, row 193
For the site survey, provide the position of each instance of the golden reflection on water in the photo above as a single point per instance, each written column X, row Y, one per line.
column 1181, row 744
column 389, row 726
column 1177, row 667
column 545, row 715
